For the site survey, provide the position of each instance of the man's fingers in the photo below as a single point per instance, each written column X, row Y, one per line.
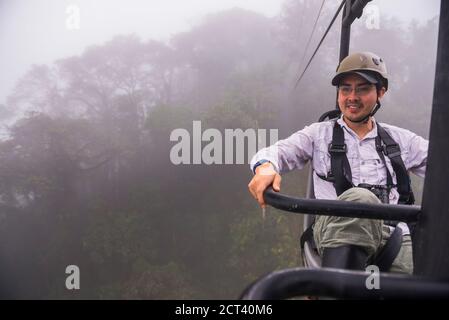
column 259, row 195
column 251, row 190
column 260, row 199
column 258, row 185
column 277, row 183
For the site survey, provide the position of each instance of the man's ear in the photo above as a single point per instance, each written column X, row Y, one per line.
column 381, row 92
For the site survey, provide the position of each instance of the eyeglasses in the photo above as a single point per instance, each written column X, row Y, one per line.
column 361, row 90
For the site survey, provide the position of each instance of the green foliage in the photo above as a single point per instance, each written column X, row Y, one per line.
column 267, row 247
column 152, row 282
column 164, row 118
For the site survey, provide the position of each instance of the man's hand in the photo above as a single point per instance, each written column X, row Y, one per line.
column 264, row 177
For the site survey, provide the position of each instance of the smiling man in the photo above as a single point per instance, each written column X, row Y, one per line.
column 354, row 158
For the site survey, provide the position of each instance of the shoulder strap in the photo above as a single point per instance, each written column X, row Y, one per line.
column 392, row 150
column 340, row 168
column 379, row 150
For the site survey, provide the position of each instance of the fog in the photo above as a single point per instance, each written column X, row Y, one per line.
column 90, row 94
column 36, row 32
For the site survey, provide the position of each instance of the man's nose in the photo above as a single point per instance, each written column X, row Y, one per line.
column 352, row 96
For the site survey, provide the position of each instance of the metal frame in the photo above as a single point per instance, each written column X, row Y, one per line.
column 343, row 284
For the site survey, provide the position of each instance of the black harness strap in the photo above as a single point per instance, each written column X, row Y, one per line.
column 392, row 150
column 340, row 169
column 307, row 236
column 385, row 257
column 379, row 150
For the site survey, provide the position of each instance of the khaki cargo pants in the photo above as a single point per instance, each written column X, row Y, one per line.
column 331, row 232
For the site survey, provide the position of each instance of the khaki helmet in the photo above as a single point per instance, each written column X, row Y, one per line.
column 366, row 64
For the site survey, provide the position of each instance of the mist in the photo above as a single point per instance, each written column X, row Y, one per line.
column 90, row 94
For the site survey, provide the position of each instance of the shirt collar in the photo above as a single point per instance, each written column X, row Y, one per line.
column 371, row 134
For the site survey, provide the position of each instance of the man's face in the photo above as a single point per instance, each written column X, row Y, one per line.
column 357, row 97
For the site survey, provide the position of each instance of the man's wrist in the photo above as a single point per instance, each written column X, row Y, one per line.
column 265, row 168
column 258, row 164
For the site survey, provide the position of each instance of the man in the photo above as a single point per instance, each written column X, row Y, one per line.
column 354, row 158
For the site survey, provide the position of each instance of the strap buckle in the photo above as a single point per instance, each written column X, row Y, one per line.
column 391, row 150
column 337, row 148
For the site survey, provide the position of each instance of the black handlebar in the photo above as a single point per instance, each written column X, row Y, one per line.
column 344, row 284
column 396, row 212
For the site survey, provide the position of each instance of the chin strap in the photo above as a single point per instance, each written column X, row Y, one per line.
column 372, row 113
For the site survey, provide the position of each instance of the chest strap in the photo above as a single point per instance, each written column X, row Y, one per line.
column 392, row 150
column 340, row 168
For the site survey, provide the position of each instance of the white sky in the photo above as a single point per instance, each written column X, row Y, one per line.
column 35, row 32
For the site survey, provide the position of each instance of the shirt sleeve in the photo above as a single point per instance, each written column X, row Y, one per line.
column 417, row 160
column 290, row 153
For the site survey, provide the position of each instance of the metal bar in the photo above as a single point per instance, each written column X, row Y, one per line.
column 355, row 12
column 342, row 208
column 431, row 239
column 353, row 9
column 342, row 284
column 345, row 31
column 345, row 36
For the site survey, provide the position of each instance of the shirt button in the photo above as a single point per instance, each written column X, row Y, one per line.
column 363, row 162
